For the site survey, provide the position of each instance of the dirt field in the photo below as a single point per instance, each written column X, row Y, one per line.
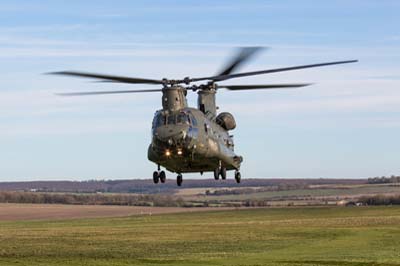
column 11, row 212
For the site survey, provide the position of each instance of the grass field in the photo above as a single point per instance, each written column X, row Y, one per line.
column 15, row 212
column 289, row 236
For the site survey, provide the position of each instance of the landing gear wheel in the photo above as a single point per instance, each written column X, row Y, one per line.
column 179, row 180
column 162, row 176
column 155, row 177
column 216, row 174
column 223, row 173
column 237, row 177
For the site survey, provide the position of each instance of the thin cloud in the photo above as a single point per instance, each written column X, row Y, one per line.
column 80, row 127
column 46, row 28
column 338, row 105
column 386, row 77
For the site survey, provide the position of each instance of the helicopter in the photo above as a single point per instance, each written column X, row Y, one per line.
column 195, row 140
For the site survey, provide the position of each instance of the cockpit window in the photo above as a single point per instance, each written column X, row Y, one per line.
column 182, row 118
column 193, row 120
column 159, row 120
column 171, row 120
column 179, row 119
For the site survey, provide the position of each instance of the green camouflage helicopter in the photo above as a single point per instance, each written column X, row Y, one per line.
column 190, row 140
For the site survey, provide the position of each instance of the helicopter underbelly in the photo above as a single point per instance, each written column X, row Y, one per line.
column 197, row 160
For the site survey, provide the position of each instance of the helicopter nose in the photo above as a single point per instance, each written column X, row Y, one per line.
column 172, row 135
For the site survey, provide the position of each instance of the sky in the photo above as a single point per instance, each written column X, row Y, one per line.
column 347, row 125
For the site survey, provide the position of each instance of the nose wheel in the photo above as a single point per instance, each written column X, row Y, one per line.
column 216, row 173
column 238, row 176
column 179, row 180
column 162, row 177
column 220, row 171
column 159, row 177
column 155, row 177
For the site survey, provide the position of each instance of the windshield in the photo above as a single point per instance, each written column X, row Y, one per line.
column 182, row 118
column 171, row 120
column 175, row 119
column 159, row 120
column 193, row 120
column 179, row 119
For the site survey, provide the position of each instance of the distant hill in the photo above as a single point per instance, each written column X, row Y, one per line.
column 147, row 186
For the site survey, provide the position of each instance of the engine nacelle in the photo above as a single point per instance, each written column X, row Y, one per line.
column 226, row 120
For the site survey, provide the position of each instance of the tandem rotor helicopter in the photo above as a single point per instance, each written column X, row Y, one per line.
column 194, row 140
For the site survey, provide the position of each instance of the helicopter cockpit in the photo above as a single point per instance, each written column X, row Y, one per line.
column 175, row 127
column 181, row 118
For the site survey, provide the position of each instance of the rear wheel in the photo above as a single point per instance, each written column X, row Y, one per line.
column 155, row 177
column 162, row 177
column 238, row 177
column 216, row 174
column 179, row 180
column 223, row 173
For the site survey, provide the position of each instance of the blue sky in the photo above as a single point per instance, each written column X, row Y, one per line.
column 346, row 125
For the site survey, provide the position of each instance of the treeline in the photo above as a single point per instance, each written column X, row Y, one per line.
column 384, row 180
column 116, row 199
column 147, row 186
column 91, row 199
column 380, row 200
column 132, row 200
column 173, row 201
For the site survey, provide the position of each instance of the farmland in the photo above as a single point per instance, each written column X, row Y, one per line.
column 314, row 195
column 352, row 236
column 204, row 193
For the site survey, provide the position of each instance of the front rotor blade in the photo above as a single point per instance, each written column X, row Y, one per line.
column 105, row 92
column 109, row 77
column 274, row 70
column 241, row 57
column 267, row 86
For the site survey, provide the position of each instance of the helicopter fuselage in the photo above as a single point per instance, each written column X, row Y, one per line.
column 186, row 140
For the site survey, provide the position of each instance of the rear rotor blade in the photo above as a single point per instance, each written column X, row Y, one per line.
column 243, row 55
column 274, row 70
column 105, row 92
column 267, row 86
column 111, row 78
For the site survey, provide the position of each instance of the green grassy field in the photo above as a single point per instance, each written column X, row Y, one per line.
column 289, row 236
